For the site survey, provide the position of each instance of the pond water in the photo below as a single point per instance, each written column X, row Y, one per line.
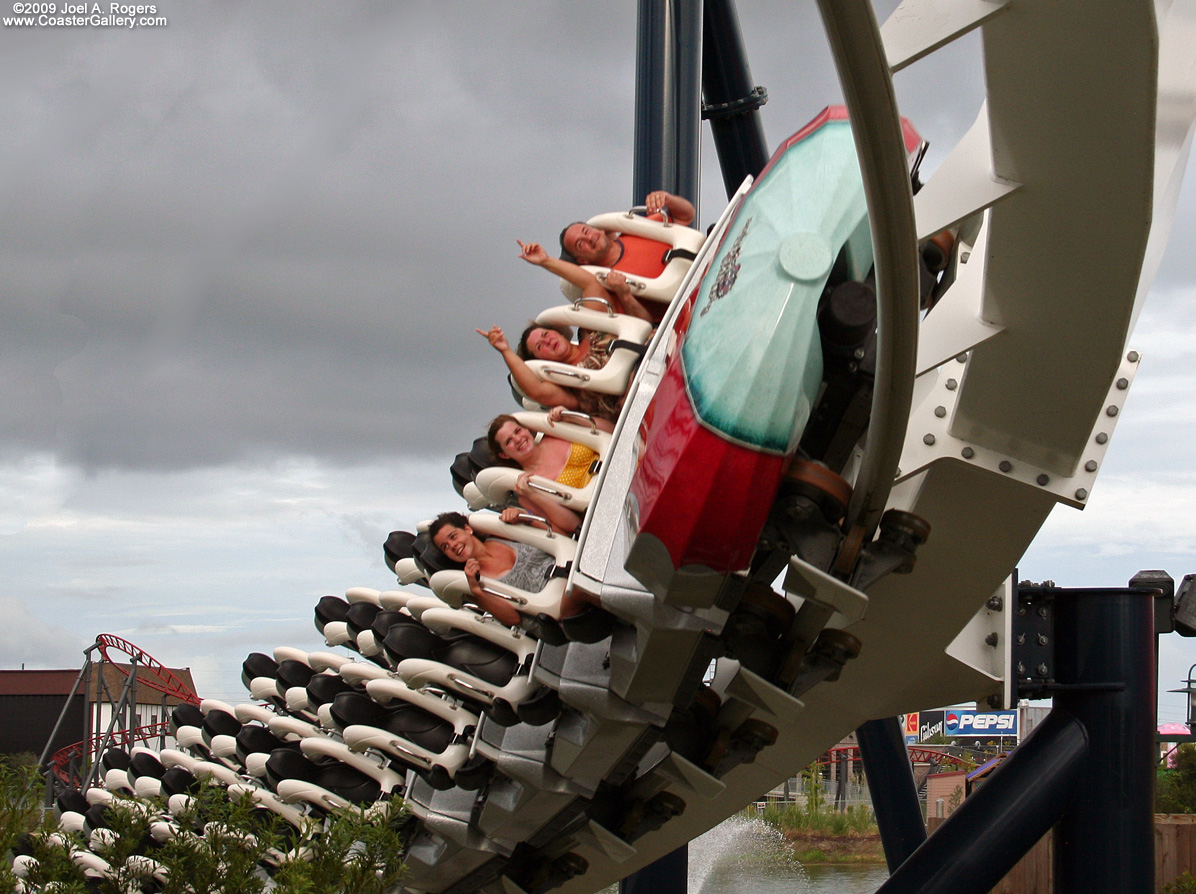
column 745, row 855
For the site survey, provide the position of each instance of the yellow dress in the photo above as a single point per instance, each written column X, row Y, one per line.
column 577, row 467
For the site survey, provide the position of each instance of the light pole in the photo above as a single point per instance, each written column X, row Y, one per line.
column 1190, row 689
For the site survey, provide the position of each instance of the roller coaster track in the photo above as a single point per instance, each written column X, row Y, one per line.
column 152, row 674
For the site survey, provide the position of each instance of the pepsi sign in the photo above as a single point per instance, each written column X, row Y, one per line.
column 980, row 723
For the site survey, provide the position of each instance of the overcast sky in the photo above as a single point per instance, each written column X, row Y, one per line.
column 243, row 259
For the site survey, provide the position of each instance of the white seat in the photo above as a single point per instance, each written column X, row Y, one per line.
column 367, row 644
column 497, row 483
column 70, row 821
column 289, row 653
column 356, row 673
column 322, row 661
column 292, row 727
column 408, row 573
column 453, row 587
column 319, row 746
column 362, row 594
column 208, row 705
column 659, row 288
column 396, row 600
column 336, row 633
column 255, row 764
column 147, row 787
column 224, row 747
column 614, row 377
column 272, row 802
column 296, row 699
column 294, row 791
column 246, row 713
column 417, row 605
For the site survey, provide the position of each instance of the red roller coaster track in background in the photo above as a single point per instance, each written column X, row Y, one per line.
column 917, row 755
column 151, row 673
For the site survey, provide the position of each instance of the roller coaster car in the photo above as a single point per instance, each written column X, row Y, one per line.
column 550, row 615
column 678, row 245
column 499, row 681
column 496, row 485
column 743, row 376
column 482, row 670
column 422, row 732
column 325, row 783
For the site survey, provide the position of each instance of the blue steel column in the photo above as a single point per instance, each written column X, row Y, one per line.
column 668, row 99
column 668, row 155
column 994, row 827
column 732, row 103
column 668, row 875
column 893, row 789
column 1104, row 842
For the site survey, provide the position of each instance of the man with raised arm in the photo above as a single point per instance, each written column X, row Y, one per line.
column 636, row 255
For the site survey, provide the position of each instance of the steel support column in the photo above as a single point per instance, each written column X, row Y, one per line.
column 893, row 789
column 1105, row 659
column 732, row 102
column 668, row 99
column 668, row 875
column 1087, row 770
column 986, row 836
column 667, row 155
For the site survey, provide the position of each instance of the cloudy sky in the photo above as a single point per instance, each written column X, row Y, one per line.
column 243, row 259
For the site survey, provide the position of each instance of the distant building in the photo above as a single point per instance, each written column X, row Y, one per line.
column 31, row 702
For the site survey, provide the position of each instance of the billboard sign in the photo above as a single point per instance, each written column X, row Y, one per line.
column 986, row 724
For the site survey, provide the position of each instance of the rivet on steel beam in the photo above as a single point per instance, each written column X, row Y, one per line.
column 962, row 358
column 940, row 412
column 1081, row 494
column 967, row 453
column 1122, row 384
column 952, row 384
column 1005, row 466
column 1043, row 480
column 1102, row 437
column 1042, row 670
column 928, row 439
column 1090, row 466
column 1111, row 410
column 1132, row 356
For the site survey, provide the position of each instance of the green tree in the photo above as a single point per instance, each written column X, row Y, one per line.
column 1175, row 791
column 1185, row 884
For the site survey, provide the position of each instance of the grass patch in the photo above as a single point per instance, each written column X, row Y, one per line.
column 818, row 835
column 817, row 855
column 795, row 820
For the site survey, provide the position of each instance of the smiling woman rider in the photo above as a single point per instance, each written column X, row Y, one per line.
column 515, row 564
column 562, row 461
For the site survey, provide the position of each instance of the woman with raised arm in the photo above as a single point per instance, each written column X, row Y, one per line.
column 590, row 351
